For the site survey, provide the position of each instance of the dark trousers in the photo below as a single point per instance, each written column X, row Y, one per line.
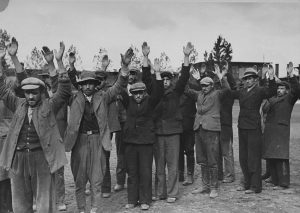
column 139, row 168
column 280, row 172
column 226, row 154
column 250, row 148
column 30, row 173
column 207, row 153
column 5, row 196
column 168, row 155
column 106, row 184
column 120, row 148
column 88, row 164
column 187, row 142
column 60, row 185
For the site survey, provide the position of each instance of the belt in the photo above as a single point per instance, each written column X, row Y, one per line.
column 90, row 132
column 29, row 150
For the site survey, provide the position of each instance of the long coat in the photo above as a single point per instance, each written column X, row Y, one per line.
column 101, row 99
column 277, row 125
column 43, row 118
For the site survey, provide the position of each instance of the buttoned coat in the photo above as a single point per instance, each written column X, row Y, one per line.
column 101, row 100
column 277, row 126
column 43, row 118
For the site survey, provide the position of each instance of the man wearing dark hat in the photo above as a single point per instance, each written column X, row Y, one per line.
column 168, row 124
column 277, row 130
column 33, row 150
column 249, row 127
column 88, row 133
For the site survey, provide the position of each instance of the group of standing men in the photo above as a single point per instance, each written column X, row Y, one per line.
column 157, row 116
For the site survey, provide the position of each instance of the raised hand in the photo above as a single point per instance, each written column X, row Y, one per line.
column 195, row 73
column 12, row 48
column 290, row 68
column 2, row 50
column 202, row 68
column 59, row 54
column 126, row 58
column 271, row 72
column 105, row 62
column 264, row 70
column 218, row 72
column 156, row 65
column 188, row 49
column 145, row 49
column 224, row 67
column 72, row 58
column 48, row 54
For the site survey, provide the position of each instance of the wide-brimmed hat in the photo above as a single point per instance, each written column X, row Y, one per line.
column 31, row 83
column 87, row 76
column 284, row 83
column 250, row 72
column 139, row 86
column 206, row 81
column 167, row 74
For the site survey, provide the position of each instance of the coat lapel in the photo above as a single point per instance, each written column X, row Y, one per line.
column 80, row 102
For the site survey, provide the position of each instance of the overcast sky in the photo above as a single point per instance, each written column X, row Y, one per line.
column 267, row 31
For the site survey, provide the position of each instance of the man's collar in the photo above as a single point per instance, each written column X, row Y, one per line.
column 88, row 98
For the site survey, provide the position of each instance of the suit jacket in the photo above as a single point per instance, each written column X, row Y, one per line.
column 101, row 100
column 250, row 102
column 277, row 126
column 44, row 121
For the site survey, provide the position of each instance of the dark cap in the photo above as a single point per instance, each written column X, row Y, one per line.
column 167, row 74
column 139, row 86
column 87, row 76
column 284, row 83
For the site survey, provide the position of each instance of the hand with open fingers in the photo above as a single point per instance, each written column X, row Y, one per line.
column 126, row 58
column 59, row 54
column 145, row 49
column 271, row 71
column 264, row 70
column 195, row 73
column 290, row 68
column 224, row 67
column 72, row 58
column 12, row 48
column 105, row 62
column 188, row 49
column 2, row 50
column 217, row 71
column 156, row 65
column 48, row 54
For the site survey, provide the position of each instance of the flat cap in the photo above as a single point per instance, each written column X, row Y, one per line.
column 133, row 68
column 167, row 74
column 31, row 83
column 284, row 83
column 250, row 72
column 206, row 81
column 87, row 76
column 139, row 86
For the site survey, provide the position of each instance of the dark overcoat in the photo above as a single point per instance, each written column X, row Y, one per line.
column 277, row 126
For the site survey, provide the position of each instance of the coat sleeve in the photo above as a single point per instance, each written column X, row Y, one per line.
column 157, row 93
column 72, row 76
column 295, row 89
column 268, row 92
column 147, row 79
column 10, row 100
column 111, row 93
column 62, row 95
column 183, row 79
column 54, row 83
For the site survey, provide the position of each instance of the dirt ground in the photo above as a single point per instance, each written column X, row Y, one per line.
column 229, row 199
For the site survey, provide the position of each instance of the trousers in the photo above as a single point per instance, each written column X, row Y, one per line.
column 187, row 142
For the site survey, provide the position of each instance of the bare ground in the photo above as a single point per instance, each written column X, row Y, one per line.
column 229, row 199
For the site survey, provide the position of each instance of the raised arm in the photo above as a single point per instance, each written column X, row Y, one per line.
column 49, row 57
column 295, row 86
column 268, row 92
column 63, row 92
column 146, row 69
column 6, row 94
column 72, row 70
column 12, row 50
column 185, row 71
column 158, row 88
column 121, row 82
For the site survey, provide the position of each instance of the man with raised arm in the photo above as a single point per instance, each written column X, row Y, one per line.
column 88, row 133
column 168, row 125
column 33, row 150
column 277, row 129
column 208, row 126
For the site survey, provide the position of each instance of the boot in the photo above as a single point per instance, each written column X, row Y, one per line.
column 189, row 180
column 213, row 173
column 205, row 182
